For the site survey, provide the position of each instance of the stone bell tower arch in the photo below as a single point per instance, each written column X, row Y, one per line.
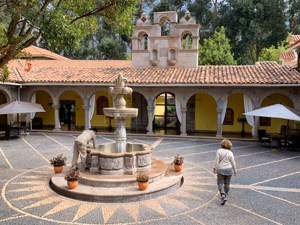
column 165, row 42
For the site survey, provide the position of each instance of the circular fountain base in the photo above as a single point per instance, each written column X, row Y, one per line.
column 121, row 188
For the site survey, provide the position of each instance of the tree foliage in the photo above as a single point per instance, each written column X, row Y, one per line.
column 253, row 25
column 273, row 53
column 201, row 10
column 59, row 23
column 216, row 50
column 294, row 16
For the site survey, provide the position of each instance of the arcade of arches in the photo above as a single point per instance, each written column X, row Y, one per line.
column 168, row 112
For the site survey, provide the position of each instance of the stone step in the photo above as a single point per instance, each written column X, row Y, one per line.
column 170, row 182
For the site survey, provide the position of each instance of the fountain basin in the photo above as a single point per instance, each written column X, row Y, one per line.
column 126, row 112
column 107, row 160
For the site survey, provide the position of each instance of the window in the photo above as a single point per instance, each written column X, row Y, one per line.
column 264, row 121
column 165, row 111
column 229, row 117
column 187, row 41
column 144, row 42
column 165, row 27
column 102, row 102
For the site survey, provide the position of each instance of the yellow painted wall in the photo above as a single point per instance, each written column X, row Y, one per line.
column 160, row 109
column 102, row 120
column 236, row 102
column 205, row 113
column 275, row 122
column 71, row 95
column 46, row 101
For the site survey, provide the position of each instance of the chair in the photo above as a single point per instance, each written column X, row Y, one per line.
column 263, row 138
column 23, row 129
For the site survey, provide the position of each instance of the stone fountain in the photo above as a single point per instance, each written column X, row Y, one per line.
column 113, row 165
column 120, row 157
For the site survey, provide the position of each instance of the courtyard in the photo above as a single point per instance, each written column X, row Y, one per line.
column 266, row 189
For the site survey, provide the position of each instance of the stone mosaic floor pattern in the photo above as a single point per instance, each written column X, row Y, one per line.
column 267, row 181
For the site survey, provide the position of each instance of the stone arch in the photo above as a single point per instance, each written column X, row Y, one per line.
column 165, row 119
column 44, row 119
column 143, row 40
column 165, row 25
column 186, row 40
column 4, row 98
column 201, row 115
column 278, row 91
column 172, row 54
column 154, row 54
column 71, row 110
column 172, row 57
column 139, row 124
column 32, row 91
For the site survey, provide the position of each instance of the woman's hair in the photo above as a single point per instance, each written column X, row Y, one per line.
column 226, row 144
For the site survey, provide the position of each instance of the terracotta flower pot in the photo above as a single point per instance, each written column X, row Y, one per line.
column 58, row 169
column 143, row 185
column 72, row 184
column 178, row 168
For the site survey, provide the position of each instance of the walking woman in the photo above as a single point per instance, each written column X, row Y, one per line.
column 224, row 165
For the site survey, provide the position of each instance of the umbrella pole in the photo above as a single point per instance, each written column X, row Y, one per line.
column 286, row 132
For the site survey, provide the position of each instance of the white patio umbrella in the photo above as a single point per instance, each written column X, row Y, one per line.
column 17, row 107
column 276, row 111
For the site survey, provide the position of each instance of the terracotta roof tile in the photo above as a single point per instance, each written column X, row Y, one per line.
column 37, row 52
column 101, row 71
column 287, row 55
column 294, row 39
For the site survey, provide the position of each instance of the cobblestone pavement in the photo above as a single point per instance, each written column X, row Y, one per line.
column 265, row 191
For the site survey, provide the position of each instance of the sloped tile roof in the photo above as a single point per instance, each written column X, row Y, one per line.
column 287, row 55
column 294, row 39
column 37, row 52
column 105, row 72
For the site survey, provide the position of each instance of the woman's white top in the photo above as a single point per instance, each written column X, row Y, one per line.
column 225, row 160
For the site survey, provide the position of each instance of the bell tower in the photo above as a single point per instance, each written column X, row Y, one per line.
column 165, row 43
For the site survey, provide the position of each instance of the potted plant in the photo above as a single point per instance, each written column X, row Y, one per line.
column 72, row 177
column 177, row 162
column 58, row 162
column 143, row 180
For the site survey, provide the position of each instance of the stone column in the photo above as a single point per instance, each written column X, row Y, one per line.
column 256, row 105
column 195, row 42
column 219, row 123
column 183, row 125
column 121, row 134
column 56, row 117
column 150, row 122
column 86, row 116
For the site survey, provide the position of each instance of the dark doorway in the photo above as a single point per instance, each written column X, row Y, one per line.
column 67, row 114
column 3, row 118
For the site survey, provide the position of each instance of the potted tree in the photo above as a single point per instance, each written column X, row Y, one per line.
column 177, row 162
column 143, row 180
column 72, row 177
column 58, row 162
